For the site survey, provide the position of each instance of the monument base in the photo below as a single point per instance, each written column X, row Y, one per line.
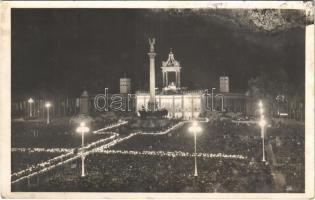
column 152, row 106
column 151, row 124
column 153, row 114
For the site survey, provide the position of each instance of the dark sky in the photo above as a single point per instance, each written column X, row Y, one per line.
column 68, row 50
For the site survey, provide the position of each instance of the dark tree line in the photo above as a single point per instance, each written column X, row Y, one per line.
column 278, row 93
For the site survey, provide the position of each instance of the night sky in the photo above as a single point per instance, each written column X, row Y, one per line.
column 64, row 50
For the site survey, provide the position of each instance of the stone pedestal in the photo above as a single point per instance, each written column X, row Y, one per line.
column 152, row 105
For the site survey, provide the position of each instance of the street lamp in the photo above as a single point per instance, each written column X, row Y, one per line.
column 212, row 98
column 195, row 129
column 30, row 101
column 262, row 124
column 82, row 129
column 47, row 105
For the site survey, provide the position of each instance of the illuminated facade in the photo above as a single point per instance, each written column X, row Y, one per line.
column 224, row 84
column 125, row 85
column 186, row 105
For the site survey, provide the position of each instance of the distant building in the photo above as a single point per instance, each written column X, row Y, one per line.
column 186, row 104
column 84, row 103
column 125, row 85
column 224, row 84
column 231, row 102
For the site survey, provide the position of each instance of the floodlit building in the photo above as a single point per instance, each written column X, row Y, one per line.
column 231, row 102
column 224, row 84
column 125, row 85
column 187, row 104
column 84, row 103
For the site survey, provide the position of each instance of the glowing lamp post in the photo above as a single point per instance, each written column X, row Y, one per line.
column 47, row 105
column 82, row 129
column 212, row 98
column 195, row 129
column 262, row 124
column 30, row 101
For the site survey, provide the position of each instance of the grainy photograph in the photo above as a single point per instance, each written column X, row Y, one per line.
column 158, row 100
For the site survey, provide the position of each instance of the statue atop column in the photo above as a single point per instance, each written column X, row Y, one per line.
column 151, row 43
column 153, row 110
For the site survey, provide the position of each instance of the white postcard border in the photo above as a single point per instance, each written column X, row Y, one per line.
column 5, row 97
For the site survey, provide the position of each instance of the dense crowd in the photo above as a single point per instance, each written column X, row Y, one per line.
column 22, row 160
column 33, row 169
column 125, row 173
column 215, row 138
column 284, row 136
column 142, row 172
column 288, row 145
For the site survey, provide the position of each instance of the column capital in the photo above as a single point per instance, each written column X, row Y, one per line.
column 152, row 55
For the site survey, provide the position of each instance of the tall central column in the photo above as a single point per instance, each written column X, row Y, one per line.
column 152, row 54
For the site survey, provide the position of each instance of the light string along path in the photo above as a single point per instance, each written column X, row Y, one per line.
column 60, row 158
column 94, row 147
column 111, row 126
column 172, row 154
column 70, row 152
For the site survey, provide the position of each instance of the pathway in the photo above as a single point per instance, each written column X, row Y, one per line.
column 278, row 177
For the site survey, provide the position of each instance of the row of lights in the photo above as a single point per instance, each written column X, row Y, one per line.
column 47, row 105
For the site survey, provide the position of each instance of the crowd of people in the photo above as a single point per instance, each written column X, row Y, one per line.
column 214, row 138
column 22, row 160
column 33, row 169
column 142, row 172
column 124, row 173
column 288, row 145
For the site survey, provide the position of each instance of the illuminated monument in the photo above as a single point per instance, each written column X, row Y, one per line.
column 178, row 102
column 183, row 103
column 171, row 66
column 152, row 54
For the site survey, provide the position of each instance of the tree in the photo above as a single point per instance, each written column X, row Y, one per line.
column 275, row 88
